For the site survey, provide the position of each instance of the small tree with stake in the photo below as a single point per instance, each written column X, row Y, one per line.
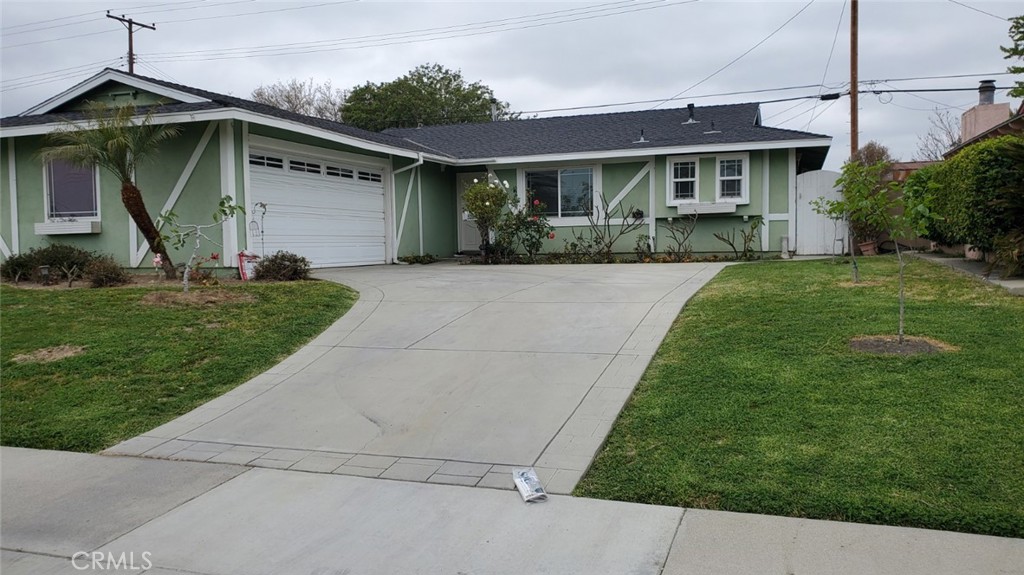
column 181, row 234
column 879, row 206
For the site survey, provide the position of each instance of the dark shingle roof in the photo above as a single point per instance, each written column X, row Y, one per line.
column 725, row 124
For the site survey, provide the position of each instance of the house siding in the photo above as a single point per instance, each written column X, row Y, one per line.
column 114, row 94
column 156, row 179
column 407, row 208
column 440, row 222
column 280, row 134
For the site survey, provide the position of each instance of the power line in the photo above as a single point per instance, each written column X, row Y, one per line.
column 61, row 39
column 10, row 86
column 842, row 12
column 945, row 77
column 969, row 7
column 179, row 6
column 408, row 37
column 97, row 13
column 571, row 108
column 793, row 107
column 305, row 7
column 737, row 59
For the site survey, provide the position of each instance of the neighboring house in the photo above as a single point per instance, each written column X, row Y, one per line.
column 988, row 119
column 344, row 196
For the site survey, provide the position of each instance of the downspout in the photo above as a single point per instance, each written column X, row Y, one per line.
column 394, row 205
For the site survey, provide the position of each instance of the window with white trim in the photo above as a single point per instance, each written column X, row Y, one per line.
column 683, row 180
column 300, row 166
column 731, row 178
column 71, row 191
column 565, row 192
column 265, row 161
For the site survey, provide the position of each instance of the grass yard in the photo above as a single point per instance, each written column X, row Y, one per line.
column 143, row 361
column 754, row 403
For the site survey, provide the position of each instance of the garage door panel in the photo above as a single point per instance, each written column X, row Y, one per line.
column 331, row 220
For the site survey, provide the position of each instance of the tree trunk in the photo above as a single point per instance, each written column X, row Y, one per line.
column 131, row 197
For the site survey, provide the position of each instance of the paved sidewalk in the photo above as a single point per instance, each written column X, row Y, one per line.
column 449, row 374
column 977, row 269
column 209, row 519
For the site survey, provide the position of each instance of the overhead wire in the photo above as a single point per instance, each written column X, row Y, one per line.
column 828, row 62
column 472, row 29
column 738, row 58
column 438, row 29
column 236, row 15
column 969, row 7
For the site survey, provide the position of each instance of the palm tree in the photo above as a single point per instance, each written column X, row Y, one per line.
column 114, row 139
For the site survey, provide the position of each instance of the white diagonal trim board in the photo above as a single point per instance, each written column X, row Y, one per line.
column 405, row 207
column 13, row 188
column 175, row 192
column 629, row 187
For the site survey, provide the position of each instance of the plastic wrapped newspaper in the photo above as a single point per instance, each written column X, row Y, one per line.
column 528, row 484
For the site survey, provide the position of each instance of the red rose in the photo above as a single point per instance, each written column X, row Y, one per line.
column 214, row 256
column 536, row 202
column 551, row 236
column 535, row 218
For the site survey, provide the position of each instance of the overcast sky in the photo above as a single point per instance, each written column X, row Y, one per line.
column 540, row 55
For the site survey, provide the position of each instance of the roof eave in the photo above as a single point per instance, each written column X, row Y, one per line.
column 644, row 152
column 227, row 113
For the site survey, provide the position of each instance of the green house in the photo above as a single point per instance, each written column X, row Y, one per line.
column 342, row 196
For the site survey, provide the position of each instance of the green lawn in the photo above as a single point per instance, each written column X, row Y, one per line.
column 143, row 364
column 755, row 403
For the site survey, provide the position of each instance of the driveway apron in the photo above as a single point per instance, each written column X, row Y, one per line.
column 449, row 374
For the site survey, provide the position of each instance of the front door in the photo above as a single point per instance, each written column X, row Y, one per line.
column 469, row 235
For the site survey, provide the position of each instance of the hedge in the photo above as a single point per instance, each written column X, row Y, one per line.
column 964, row 188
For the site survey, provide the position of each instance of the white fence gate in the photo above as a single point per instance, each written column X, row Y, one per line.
column 816, row 234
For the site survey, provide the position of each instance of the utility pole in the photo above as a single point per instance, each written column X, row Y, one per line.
column 130, row 25
column 854, row 128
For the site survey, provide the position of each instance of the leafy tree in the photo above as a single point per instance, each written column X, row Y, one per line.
column 430, row 94
column 308, row 98
column 114, row 139
column 1016, row 50
column 943, row 136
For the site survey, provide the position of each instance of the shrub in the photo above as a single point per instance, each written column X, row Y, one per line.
column 19, row 266
column 424, row 259
column 967, row 191
column 66, row 261
column 282, row 266
column 103, row 271
column 485, row 201
column 523, row 227
column 1009, row 247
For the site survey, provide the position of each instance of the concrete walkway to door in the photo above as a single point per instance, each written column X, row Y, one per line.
column 449, row 374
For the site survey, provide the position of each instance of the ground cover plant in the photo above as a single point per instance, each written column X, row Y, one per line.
column 86, row 368
column 756, row 402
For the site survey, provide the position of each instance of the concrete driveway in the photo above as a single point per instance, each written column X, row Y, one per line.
column 449, row 374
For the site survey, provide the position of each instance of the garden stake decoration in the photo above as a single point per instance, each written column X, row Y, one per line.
column 257, row 229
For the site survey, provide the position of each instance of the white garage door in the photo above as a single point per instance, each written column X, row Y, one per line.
column 328, row 211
